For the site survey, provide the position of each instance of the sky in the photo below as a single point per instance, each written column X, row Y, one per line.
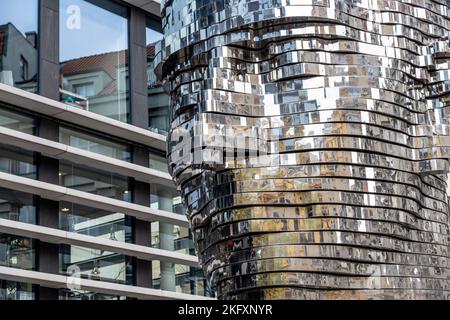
column 98, row 31
column 152, row 35
column 22, row 13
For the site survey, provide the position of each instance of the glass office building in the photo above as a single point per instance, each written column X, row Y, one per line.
column 88, row 209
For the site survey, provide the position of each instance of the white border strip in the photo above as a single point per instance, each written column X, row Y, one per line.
column 64, row 152
column 59, row 193
column 79, row 117
column 60, row 281
column 56, row 236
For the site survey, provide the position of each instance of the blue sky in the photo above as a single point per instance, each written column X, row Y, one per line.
column 153, row 36
column 22, row 13
column 100, row 31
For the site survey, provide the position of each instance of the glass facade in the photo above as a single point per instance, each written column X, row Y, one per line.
column 165, row 236
column 14, row 120
column 92, row 263
column 94, row 181
column 80, row 219
column 188, row 280
column 66, row 294
column 11, row 290
column 17, row 206
column 165, row 198
column 18, row 44
column 93, row 39
column 16, row 252
column 96, row 264
column 158, row 162
column 158, row 100
column 17, row 161
column 94, row 143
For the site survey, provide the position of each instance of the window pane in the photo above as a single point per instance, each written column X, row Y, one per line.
column 158, row 163
column 16, row 252
column 158, row 100
column 188, row 280
column 94, row 181
column 181, row 238
column 18, row 43
column 174, row 238
column 13, row 120
column 92, row 143
column 17, row 206
column 85, row 89
column 96, row 264
column 94, row 57
column 17, row 161
column 165, row 198
column 11, row 290
column 66, row 294
column 94, row 222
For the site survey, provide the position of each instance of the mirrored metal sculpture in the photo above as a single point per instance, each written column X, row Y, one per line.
column 310, row 140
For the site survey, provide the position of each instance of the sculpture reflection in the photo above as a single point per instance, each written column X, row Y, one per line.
column 310, row 141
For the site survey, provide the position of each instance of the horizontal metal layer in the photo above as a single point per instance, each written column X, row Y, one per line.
column 83, row 157
column 191, row 30
column 312, row 294
column 59, row 193
column 311, row 171
column 90, row 120
column 64, row 237
column 61, row 281
column 327, row 251
column 325, row 281
column 329, row 266
column 355, row 239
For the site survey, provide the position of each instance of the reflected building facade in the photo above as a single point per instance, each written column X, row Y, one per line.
column 310, row 141
column 18, row 57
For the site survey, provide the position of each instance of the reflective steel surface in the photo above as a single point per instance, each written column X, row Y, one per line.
column 310, row 140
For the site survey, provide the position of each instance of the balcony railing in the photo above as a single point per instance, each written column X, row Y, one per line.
column 74, row 99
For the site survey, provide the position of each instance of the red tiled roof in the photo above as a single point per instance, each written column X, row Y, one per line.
column 151, row 50
column 2, row 37
column 106, row 62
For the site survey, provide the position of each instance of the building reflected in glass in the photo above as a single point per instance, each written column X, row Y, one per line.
column 19, row 45
column 94, row 57
column 158, row 100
